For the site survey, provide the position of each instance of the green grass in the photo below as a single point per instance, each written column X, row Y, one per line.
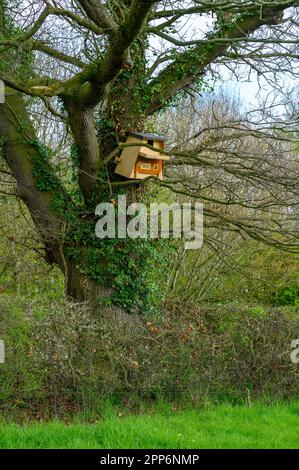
column 221, row 426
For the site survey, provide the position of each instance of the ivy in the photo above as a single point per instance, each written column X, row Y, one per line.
column 45, row 178
column 133, row 270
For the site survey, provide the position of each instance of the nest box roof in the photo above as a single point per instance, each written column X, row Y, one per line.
column 141, row 136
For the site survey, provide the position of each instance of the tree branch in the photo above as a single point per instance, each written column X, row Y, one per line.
column 99, row 15
column 192, row 63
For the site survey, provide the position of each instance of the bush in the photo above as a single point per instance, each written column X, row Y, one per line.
column 287, row 296
column 68, row 358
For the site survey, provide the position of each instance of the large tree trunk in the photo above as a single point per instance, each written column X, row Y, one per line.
column 40, row 190
column 79, row 287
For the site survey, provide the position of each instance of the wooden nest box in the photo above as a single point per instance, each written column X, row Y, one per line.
column 139, row 162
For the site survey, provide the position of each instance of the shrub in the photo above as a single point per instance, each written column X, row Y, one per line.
column 287, row 296
column 69, row 358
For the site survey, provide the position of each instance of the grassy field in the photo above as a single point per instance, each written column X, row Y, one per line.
column 223, row 426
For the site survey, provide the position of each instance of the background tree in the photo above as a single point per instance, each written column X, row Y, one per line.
column 93, row 72
column 231, row 265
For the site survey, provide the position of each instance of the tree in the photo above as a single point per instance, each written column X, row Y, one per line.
column 230, row 265
column 93, row 70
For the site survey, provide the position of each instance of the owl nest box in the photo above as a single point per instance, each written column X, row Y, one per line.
column 139, row 162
